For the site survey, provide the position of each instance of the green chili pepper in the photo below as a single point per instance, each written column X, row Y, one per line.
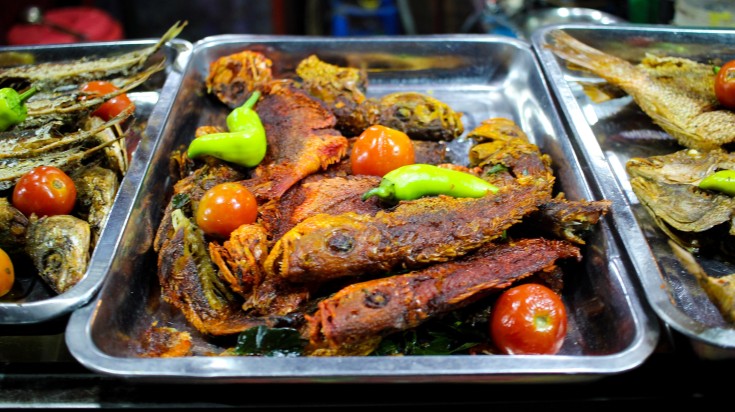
column 245, row 142
column 12, row 106
column 417, row 180
column 722, row 181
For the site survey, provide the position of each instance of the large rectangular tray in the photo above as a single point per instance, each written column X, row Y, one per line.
column 599, row 131
column 38, row 303
column 481, row 76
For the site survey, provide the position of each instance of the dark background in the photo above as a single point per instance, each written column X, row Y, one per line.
column 151, row 18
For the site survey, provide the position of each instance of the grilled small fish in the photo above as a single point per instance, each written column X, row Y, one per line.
column 115, row 153
column 26, row 144
column 49, row 75
column 12, row 169
column 695, row 121
column 96, row 190
column 13, row 225
column 59, row 247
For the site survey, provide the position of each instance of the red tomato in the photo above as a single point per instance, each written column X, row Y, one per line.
column 380, row 149
column 45, row 191
column 112, row 107
column 529, row 319
column 7, row 274
column 224, row 208
column 725, row 84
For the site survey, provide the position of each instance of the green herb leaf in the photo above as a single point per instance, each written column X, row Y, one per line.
column 180, row 200
column 265, row 341
column 495, row 169
column 452, row 334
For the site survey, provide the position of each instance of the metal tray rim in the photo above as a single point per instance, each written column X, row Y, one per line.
column 380, row 369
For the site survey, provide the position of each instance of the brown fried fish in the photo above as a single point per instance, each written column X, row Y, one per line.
column 353, row 320
column 694, row 120
column 432, row 229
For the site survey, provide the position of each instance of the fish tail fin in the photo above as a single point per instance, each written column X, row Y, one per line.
column 610, row 68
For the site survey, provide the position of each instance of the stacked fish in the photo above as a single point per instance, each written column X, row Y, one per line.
column 60, row 131
column 343, row 271
column 688, row 193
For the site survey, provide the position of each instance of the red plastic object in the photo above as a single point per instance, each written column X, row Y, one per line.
column 93, row 23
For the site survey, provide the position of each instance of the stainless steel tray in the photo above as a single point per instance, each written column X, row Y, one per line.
column 482, row 76
column 36, row 303
column 599, row 132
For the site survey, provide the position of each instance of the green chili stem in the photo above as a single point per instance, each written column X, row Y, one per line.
column 28, row 93
column 252, row 100
column 380, row 191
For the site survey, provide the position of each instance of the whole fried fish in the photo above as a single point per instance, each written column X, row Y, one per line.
column 432, row 229
column 190, row 189
column 667, row 186
column 694, row 120
column 301, row 139
column 343, row 89
column 353, row 320
column 504, row 153
column 59, row 247
column 189, row 281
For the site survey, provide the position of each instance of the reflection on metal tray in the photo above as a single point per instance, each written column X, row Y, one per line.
column 32, row 302
column 610, row 133
column 481, row 76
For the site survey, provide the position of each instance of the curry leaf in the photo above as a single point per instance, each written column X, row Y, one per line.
column 265, row 341
column 180, row 200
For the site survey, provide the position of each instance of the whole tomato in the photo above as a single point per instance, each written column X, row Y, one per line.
column 111, row 107
column 224, row 208
column 45, row 191
column 529, row 319
column 7, row 274
column 725, row 85
column 380, row 149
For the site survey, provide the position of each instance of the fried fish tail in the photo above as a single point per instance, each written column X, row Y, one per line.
column 366, row 311
column 692, row 120
column 190, row 283
column 569, row 220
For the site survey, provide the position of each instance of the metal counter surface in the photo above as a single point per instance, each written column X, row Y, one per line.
column 672, row 376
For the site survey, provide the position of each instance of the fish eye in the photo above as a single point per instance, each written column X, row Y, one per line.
column 377, row 300
column 341, row 242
